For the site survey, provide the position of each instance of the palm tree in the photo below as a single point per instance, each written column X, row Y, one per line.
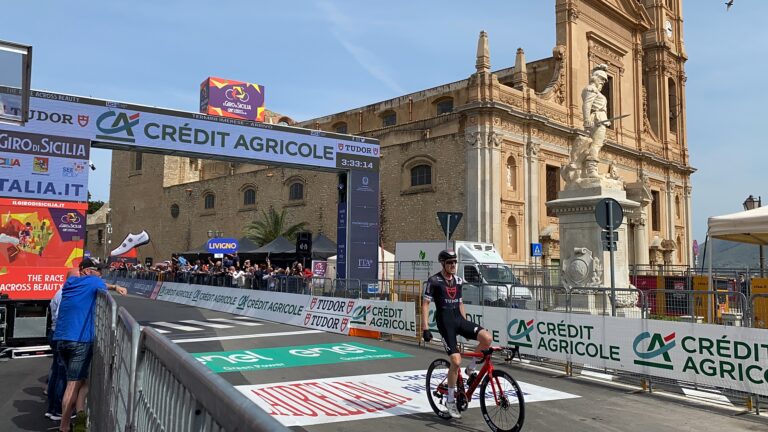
column 270, row 227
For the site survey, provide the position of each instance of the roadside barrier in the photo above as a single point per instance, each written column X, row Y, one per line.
column 141, row 381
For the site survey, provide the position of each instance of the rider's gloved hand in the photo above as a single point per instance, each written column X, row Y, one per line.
column 427, row 335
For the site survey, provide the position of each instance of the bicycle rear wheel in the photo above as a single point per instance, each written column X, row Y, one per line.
column 437, row 387
column 503, row 406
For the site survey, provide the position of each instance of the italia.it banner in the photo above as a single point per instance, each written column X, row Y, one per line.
column 39, row 242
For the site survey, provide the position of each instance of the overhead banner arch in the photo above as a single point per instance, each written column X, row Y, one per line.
column 131, row 127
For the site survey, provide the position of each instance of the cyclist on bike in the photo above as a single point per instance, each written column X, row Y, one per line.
column 444, row 289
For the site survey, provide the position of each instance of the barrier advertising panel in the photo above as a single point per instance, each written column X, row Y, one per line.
column 39, row 241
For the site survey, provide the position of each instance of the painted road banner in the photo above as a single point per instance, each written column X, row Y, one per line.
column 712, row 355
column 150, row 127
column 386, row 317
column 329, row 400
column 293, row 356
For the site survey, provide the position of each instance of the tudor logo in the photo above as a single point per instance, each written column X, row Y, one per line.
column 307, row 318
column 350, row 306
column 344, row 323
column 82, row 120
column 313, row 303
column 376, row 151
column 341, row 146
column 451, row 292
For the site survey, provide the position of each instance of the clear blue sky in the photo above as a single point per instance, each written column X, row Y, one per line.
column 321, row 57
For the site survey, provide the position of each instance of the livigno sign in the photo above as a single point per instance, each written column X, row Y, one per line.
column 222, row 245
column 293, row 356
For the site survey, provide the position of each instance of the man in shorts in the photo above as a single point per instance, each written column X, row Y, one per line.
column 444, row 289
column 74, row 336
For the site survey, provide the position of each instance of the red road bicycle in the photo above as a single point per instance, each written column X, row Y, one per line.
column 501, row 400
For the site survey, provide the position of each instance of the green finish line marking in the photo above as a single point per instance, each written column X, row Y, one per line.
column 293, row 356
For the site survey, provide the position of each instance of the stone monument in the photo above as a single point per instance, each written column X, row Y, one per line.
column 584, row 258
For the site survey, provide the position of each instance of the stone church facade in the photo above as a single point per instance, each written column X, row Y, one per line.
column 490, row 146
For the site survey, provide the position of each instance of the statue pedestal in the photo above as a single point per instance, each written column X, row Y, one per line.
column 585, row 261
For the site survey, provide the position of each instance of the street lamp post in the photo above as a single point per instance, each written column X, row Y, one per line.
column 752, row 203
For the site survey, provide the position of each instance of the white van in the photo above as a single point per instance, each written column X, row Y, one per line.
column 489, row 280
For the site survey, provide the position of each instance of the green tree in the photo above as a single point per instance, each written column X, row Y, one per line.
column 271, row 226
column 93, row 206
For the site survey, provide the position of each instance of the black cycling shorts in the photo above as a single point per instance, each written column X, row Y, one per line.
column 458, row 327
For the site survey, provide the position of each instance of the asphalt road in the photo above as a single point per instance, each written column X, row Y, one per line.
column 553, row 403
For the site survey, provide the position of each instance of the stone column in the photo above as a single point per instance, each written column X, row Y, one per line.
column 638, row 192
column 494, row 191
column 533, row 200
column 474, row 140
column 689, row 227
column 672, row 235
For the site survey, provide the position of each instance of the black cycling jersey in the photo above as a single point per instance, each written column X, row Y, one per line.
column 446, row 295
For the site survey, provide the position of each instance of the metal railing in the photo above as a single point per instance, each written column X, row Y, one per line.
column 140, row 381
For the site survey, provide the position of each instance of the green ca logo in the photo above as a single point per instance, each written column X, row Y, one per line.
column 120, row 124
column 360, row 314
column 422, row 255
column 241, row 302
column 658, row 346
column 196, row 295
column 519, row 333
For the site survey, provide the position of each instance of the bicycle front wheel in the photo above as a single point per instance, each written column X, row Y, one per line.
column 502, row 403
column 437, row 386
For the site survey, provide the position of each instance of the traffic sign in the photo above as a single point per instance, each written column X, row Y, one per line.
column 449, row 221
column 607, row 236
column 609, row 214
column 536, row 250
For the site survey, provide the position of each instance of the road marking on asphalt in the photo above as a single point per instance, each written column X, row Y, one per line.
column 206, row 324
column 236, row 322
column 174, row 326
column 329, row 400
column 249, row 336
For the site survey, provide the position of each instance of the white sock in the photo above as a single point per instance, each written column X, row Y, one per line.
column 451, row 394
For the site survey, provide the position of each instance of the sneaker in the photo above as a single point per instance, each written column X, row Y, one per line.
column 131, row 241
column 452, row 410
column 81, row 422
column 57, row 417
column 49, row 415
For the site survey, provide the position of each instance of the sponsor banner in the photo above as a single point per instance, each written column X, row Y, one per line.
column 32, row 283
column 139, row 287
column 330, row 400
column 39, row 242
column 222, row 245
column 387, row 317
column 272, row 306
column 713, row 355
column 230, row 98
column 293, row 356
column 156, row 128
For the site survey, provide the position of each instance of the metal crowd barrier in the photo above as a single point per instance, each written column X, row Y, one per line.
column 140, row 381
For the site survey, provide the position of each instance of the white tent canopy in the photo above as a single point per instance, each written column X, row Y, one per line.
column 749, row 226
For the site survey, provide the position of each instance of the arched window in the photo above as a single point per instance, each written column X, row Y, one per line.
column 340, row 127
column 677, row 206
column 512, row 235
column 679, row 250
column 138, row 161
column 673, row 108
column 444, row 106
column 512, row 173
column 285, row 121
column 249, row 197
column 421, row 175
column 209, row 201
column 296, row 191
column 174, row 211
column 388, row 118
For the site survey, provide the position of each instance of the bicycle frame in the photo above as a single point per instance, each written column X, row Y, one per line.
column 486, row 369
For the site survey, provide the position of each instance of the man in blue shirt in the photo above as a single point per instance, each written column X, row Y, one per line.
column 74, row 335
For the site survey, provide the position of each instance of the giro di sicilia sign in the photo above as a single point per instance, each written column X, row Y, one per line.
column 188, row 132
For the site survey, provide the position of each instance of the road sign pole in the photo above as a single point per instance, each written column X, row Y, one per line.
column 610, row 249
column 447, row 231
